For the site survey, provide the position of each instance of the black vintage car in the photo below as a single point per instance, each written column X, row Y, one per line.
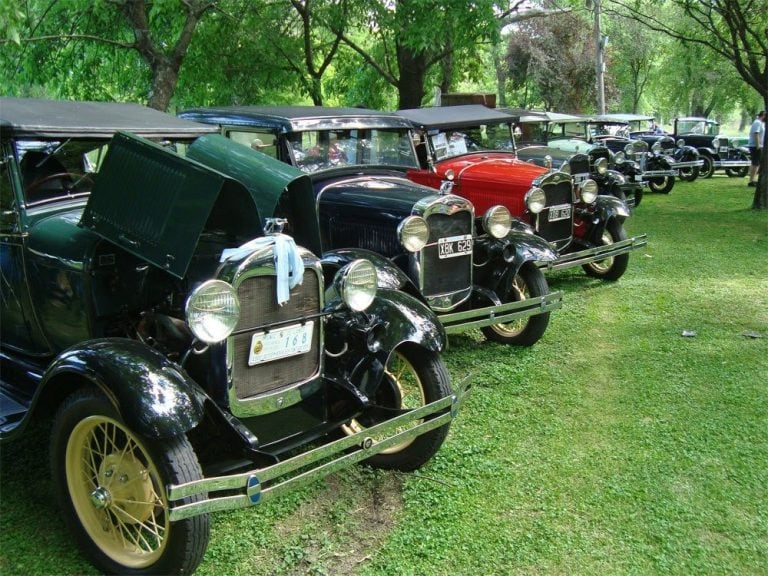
column 618, row 176
column 191, row 359
column 472, row 273
column 718, row 152
column 683, row 158
column 466, row 146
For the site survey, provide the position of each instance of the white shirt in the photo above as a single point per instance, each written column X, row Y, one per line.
column 757, row 133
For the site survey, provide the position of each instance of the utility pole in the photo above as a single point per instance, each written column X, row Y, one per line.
column 600, row 43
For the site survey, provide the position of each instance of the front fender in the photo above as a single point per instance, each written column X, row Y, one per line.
column 388, row 275
column 605, row 208
column 151, row 393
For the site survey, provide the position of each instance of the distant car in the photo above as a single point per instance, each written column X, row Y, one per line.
column 718, row 152
column 473, row 270
column 623, row 179
column 192, row 360
column 685, row 159
column 465, row 145
column 579, row 132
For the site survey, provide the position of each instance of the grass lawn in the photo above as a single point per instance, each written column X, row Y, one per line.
column 616, row 445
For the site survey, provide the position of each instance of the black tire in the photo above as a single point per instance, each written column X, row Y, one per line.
column 414, row 377
column 737, row 172
column 529, row 282
column 638, row 195
column 610, row 268
column 708, row 169
column 689, row 174
column 662, row 184
column 94, row 456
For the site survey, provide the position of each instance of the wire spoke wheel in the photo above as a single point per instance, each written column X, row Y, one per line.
column 116, row 491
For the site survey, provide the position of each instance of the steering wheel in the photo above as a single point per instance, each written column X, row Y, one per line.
column 73, row 177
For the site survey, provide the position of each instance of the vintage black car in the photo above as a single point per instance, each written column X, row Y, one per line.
column 719, row 152
column 466, row 145
column 618, row 176
column 473, row 274
column 192, row 359
column 685, row 159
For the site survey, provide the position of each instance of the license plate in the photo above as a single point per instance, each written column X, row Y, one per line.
column 560, row 212
column 724, row 149
column 638, row 177
column 453, row 246
column 281, row 343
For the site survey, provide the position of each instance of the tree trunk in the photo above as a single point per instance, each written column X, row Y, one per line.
column 760, row 201
column 410, row 85
column 165, row 75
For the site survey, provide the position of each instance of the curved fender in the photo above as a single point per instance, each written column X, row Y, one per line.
column 708, row 151
column 397, row 318
column 607, row 207
column 388, row 275
column 530, row 248
column 153, row 395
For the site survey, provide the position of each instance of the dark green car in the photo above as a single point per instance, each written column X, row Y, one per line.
column 192, row 357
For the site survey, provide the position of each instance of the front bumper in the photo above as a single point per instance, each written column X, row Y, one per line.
column 254, row 486
column 688, row 164
column 595, row 254
column 479, row 317
column 660, row 174
column 731, row 164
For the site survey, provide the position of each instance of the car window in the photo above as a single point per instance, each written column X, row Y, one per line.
column 314, row 150
column 483, row 137
column 264, row 142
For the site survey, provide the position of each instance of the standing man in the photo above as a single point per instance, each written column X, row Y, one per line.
column 756, row 139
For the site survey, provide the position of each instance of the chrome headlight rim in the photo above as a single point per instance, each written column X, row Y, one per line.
column 356, row 284
column 619, row 157
column 601, row 166
column 497, row 221
column 535, row 200
column 588, row 191
column 413, row 233
column 212, row 311
column 656, row 148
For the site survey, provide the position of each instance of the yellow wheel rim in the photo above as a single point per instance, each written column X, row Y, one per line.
column 116, row 492
column 409, row 390
column 603, row 266
column 515, row 327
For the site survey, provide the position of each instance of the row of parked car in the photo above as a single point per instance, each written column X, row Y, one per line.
column 216, row 308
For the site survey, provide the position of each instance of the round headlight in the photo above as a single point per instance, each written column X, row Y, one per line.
column 356, row 284
column 413, row 233
column 588, row 191
column 656, row 148
column 680, row 143
column 497, row 221
column 601, row 166
column 213, row 310
column 619, row 157
column 535, row 200
column 715, row 142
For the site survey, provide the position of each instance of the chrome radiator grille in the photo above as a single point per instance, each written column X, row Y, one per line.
column 442, row 276
column 559, row 192
column 258, row 306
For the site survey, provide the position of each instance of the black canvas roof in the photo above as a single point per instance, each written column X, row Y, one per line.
column 66, row 118
column 295, row 118
column 454, row 116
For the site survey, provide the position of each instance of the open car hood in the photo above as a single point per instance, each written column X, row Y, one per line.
column 155, row 204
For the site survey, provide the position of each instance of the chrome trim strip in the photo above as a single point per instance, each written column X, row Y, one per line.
column 595, row 254
column 691, row 164
column 659, row 173
column 732, row 163
column 250, row 484
column 479, row 317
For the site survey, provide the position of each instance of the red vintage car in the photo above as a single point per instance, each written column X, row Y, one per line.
column 474, row 147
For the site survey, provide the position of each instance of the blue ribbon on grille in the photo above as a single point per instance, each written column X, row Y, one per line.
column 289, row 266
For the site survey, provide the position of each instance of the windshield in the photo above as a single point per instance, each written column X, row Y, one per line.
column 324, row 149
column 567, row 130
column 53, row 170
column 450, row 143
column 605, row 130
column 698, row 127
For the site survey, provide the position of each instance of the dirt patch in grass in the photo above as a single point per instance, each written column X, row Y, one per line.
column 342, row 527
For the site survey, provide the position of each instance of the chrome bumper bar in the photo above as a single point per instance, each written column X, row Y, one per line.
column 254, row 486
column 479, row 317
column 732, row 163
column 690, row 164
column 595, row 254
column 659, row 173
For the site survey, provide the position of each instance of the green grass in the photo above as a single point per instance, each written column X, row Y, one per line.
column 614, row 446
